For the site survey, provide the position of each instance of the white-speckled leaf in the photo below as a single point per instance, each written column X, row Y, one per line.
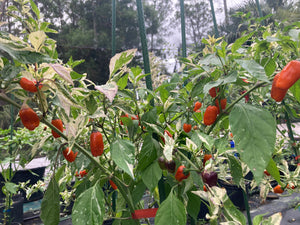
column 89, row 207
column 109, row 90
column 62, row 72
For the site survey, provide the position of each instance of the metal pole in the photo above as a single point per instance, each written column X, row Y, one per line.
column 113, row 28
column 183, row 35
column 214, row 18
column 144, row 45
column 259, row 10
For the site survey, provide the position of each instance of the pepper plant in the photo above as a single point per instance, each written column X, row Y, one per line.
column 138, row 147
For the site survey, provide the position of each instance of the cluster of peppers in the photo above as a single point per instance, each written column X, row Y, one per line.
column 31, row 120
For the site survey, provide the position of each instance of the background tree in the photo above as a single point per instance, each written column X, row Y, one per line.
column 198, row 20
column 157, row 19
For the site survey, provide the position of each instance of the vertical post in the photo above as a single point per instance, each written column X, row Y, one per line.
column 113, row 28
column 183, row 35
column 214, row 18
column 226, row 12
column 259, row 9
column 144, row 45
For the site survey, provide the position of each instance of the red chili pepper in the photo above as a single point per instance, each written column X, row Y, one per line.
column 197, row 106
column 277, row 93
column 96, row 143
column 187, row 127
column 223, row 104
column 29, row 117
column 277, row 189
column 29, row 85
column 213, row 92
column 59, row 125
column 289, row 75
column 181, row 174
column 83, row 173
column 210, row 115
column 69, row 155
column 113, row 185
column 144, row 213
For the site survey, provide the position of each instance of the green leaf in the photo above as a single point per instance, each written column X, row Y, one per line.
column 122, row 153
column 193, row 206
column 91, row 104
column 139, row 191
column 150, row 116
column 11, row 187
column 270, row 67
column 171, row 211
column 295, row 89
column 239, row 42
column 89, row 207
column 235, row 169
column 164, row 94
column 254, row 131
column 148, row 152
column 253, row 68
column 122, row 82
column 257, row 219
column 231, row 78
column 274, row 172
column 50, row 207
column 151, row 175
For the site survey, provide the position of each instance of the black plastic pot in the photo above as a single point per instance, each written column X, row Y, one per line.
column 108, row 222
column 33, row 177
column 203, row 210
column 16, row 211
column 235, row 194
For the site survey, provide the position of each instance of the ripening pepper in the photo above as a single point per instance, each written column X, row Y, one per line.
column 29, row 117
column 210, row 115
column 277, row 93
column 96, row 143
column 289, row 75
column 181, row 174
